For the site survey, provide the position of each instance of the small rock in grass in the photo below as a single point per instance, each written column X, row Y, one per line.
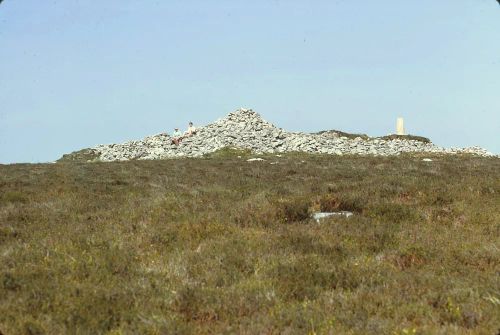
column 322, row 215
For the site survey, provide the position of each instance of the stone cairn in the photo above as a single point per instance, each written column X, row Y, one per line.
column 245, row 129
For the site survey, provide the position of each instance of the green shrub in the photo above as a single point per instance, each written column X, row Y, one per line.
column 352, row 204
column 84, row 155
column 293, row 210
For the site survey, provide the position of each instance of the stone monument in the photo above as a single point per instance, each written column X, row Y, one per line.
column 400, row 128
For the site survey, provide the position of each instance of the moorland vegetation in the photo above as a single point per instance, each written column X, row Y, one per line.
column 220, row 245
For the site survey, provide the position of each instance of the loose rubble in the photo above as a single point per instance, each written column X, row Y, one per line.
column 245, row 129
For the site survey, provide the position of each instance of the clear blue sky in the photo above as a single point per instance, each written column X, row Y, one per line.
column 75, row 73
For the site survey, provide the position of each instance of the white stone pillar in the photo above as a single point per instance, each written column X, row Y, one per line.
column 400, row 128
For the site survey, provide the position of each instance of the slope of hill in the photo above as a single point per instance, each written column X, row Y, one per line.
column 246, row 129
column 222, row 245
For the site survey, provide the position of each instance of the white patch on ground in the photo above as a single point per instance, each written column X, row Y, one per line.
column 323, row 215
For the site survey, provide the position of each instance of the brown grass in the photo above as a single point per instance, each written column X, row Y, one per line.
column 220, row 245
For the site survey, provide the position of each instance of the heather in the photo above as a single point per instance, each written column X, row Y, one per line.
column 219, row 245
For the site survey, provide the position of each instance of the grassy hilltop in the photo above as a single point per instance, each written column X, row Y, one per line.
column 223, row 246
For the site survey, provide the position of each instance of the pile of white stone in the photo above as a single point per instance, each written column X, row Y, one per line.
column 246, row 129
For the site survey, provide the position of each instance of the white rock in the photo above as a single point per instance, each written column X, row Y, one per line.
column 322, row 215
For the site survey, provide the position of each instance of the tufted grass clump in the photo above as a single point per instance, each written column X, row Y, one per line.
column 13, row 197
column 405, row 137
column 229, row 152
column 219, row 245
